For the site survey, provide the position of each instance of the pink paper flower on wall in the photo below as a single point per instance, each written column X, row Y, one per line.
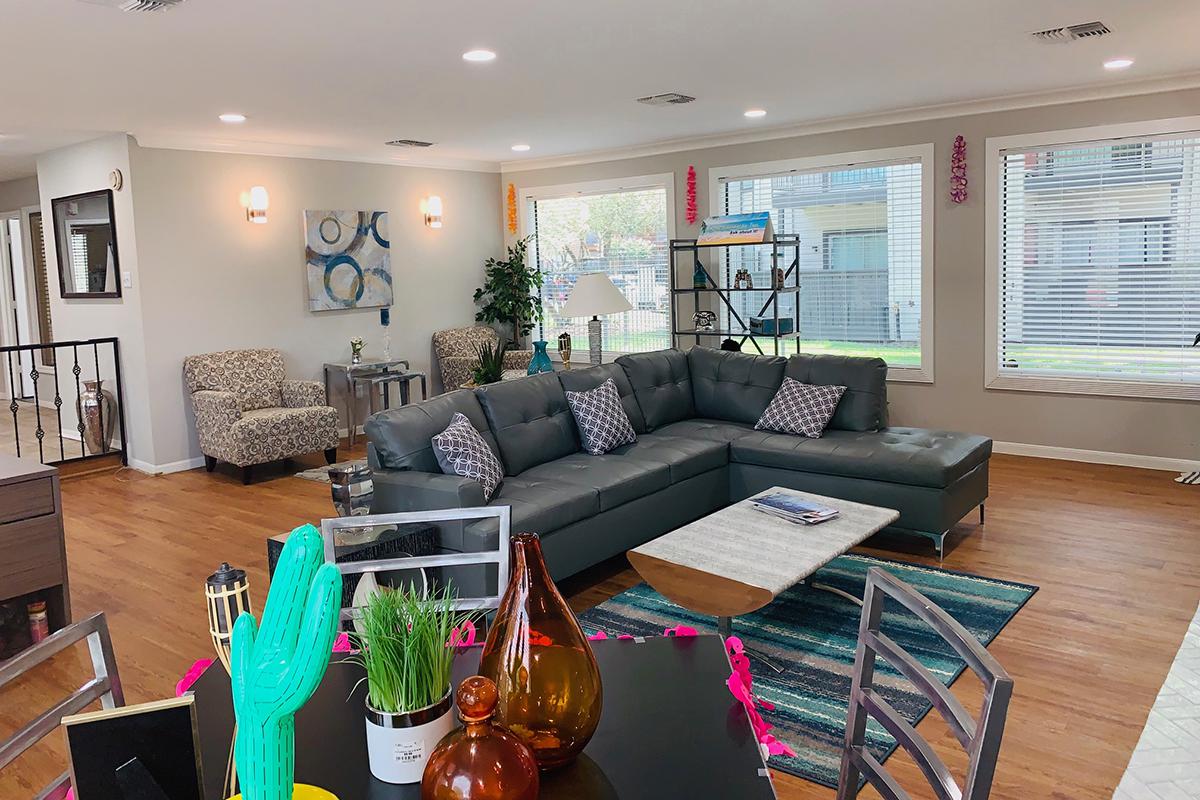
column 958, row 170
column 691, row 195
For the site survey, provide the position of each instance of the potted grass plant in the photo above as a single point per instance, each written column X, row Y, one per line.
column 491, row 363
column 403, row 641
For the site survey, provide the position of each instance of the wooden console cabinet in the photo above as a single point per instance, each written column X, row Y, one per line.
column 33, row 556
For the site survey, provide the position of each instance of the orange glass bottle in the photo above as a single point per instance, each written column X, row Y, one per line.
column 542, row 664
column 479, row 761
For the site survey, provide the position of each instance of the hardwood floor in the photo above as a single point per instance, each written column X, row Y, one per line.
column 1116, row 553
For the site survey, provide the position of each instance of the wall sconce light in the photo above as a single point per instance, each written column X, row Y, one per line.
column 256, row 202
column 431, row 207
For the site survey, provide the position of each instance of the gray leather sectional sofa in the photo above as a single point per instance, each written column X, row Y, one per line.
column 697, row 451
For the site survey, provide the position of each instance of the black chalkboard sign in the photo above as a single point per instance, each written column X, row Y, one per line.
column 137, row 752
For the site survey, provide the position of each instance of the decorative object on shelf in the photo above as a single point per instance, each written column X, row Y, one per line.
column 85, row 238
column 227, row 595
column 564, row 349
column 385, row 319
column 510, row 293
column 356, row 347
column 277, row 667
column 742, row 279
column 691, row 195
column 352, row 488
column 480, row 761
column 766, row 326
column 752, row 228
column 97, row 410
column 348, row 259
column 431, row 210
column 593, row 295
column 256, row 201
column 404, row 647
column 541, row 663
column 511, row 203
column 958, row 170
column 699, row 276
column 705, row 320
column 541, row 359
column 780, row 278
column 731, row 346
column 491, row 363
column 39, row 621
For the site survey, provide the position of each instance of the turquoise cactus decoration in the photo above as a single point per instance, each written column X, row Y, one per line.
column 277, row 666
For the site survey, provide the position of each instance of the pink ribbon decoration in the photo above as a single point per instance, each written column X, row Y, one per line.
column 741, row 686
column 601, row 635
column 342, row 644
column 192, row 675
column 464, row 635
column 681, row 630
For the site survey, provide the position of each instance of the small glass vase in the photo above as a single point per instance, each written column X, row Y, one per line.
column 541, row 663
column 541, row 359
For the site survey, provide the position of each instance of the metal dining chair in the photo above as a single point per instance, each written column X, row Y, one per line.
column 104, row 686
column 980, row 737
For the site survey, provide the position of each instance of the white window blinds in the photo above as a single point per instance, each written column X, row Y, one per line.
column 620, row 233
column 1100, row 265
column 860, row 255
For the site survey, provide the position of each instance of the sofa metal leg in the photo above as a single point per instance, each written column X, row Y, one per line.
column 246, row 472
column 210, row 463
column 981, row 512
column 330, row 455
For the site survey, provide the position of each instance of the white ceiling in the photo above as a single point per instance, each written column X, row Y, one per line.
column 336, row 79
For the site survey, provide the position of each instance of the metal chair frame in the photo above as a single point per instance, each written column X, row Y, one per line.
column 104, row 686
column 981, row 738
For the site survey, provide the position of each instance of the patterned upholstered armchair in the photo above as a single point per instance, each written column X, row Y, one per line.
column 247, row 413
column 455, row 351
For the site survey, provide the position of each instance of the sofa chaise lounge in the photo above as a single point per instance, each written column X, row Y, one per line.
column 697, row 451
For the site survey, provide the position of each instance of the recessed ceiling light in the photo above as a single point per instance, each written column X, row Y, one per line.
column 479, row 55
column 232, row 118
column 520, row 148
column 755, row 113
column 1118, row 63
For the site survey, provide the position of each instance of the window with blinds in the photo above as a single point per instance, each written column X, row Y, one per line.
column 1099, row 266
column 623, row 234
column 861, row 262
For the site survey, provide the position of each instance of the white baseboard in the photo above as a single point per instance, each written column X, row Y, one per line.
column 1094, row 456
column 166, row 469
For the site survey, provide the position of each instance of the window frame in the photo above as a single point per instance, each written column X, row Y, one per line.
column 994, row 146
column 663, row 180
column 922, row 154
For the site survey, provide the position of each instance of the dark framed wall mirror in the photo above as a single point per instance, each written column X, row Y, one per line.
column 86, row 240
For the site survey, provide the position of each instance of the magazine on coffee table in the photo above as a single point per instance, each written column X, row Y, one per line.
column 794, row 509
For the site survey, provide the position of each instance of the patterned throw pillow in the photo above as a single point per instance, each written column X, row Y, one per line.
column 802, row 408
column 602, row 420
column 460, row 450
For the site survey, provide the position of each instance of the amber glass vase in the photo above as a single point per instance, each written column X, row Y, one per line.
column 541, row 663
column 479, row 761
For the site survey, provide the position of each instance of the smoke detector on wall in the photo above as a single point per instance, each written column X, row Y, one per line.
column 667, row 99
column 136, row 6
column 1071, row 33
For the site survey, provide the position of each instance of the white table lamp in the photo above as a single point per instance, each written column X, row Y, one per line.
column 593, row 295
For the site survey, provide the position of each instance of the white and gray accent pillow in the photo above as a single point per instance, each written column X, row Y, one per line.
column 801, row 408
column 460, row 450
column 602, row 421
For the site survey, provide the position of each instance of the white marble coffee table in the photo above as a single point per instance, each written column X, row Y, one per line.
column 739, row 559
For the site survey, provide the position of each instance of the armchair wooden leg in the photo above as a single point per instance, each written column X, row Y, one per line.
column 210, row 463
column 330, row 455
column 246, row 471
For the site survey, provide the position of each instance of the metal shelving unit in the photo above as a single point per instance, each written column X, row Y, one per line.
column 781, row 246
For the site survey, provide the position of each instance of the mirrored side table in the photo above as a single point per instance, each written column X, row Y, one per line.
column 345, row 374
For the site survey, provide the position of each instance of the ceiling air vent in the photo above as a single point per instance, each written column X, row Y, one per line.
column 137, row 6
column 408, row 143
column 1085, row 30
column 668, row 99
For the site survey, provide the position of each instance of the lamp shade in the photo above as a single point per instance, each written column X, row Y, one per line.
column 593, row 295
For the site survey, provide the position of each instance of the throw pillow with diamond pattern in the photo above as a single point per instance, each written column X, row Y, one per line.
column 460, row 450
column 602, row 421
column 801, row 408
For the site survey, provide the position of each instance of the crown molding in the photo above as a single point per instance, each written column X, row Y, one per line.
column 1106, row 91
column 418, row 160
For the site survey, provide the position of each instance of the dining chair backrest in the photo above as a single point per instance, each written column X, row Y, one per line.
column 980, row 737
column 105, row 686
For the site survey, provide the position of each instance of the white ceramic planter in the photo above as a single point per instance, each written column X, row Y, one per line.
column 399, row 745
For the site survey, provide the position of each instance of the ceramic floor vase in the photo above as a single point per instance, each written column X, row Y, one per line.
column 399, row 745
column 541, row 359
column 543, row 667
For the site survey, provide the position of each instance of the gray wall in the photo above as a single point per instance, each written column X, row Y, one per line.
column 19, row 193
column 957, row 400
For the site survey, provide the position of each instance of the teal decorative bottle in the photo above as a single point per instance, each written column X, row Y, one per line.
column 275, row 668
column 541, row 359
column 699, row 278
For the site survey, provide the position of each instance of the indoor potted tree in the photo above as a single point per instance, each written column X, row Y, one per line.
column 509, row 296
column 404, row 645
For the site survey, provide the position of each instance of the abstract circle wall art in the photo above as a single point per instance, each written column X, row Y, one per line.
column 348, row 259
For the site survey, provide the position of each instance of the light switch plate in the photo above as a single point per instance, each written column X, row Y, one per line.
column 127, row 279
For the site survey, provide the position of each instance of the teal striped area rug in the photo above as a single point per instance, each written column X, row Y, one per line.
column 813, row 635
